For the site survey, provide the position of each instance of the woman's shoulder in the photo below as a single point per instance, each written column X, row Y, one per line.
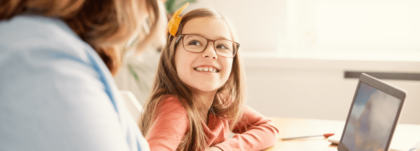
column 40, row 34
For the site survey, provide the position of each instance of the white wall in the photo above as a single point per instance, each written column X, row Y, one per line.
column 309, row 88
column 248, row 16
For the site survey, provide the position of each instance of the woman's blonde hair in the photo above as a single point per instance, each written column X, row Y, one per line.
column 227, row 103
column 106, row 25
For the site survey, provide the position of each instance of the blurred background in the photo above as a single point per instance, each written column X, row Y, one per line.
column 303, row 57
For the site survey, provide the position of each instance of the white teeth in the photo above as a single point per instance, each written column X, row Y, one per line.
column 206, row 69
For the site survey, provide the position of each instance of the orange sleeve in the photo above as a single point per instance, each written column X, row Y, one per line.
column 253, row 132
column 169, row 126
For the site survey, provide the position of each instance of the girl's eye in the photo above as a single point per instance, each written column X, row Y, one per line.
column 194, row 42
column 221, row 47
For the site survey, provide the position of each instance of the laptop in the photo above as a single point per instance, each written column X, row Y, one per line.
column 373, row 116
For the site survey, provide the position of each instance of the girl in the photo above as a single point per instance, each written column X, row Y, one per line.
column 198, row 93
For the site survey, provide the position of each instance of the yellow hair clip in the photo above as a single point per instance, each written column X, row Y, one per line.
column 173, row 24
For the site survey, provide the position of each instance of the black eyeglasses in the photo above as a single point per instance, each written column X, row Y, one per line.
column 197, row 43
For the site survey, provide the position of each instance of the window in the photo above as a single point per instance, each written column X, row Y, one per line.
column 358, row 29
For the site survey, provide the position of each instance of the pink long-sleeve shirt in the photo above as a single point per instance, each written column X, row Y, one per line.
column 253, row 131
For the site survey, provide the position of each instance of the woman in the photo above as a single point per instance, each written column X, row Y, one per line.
column 57, row 58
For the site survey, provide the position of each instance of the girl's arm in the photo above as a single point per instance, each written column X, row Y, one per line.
column 253, row 132
column 169, row 127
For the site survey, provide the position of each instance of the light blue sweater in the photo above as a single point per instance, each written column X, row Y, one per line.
column 56, row 94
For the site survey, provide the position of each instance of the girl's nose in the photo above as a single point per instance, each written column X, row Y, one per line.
column 210, row 51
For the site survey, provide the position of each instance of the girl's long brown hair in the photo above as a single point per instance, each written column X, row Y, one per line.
column 106, row 25
column 227, row 103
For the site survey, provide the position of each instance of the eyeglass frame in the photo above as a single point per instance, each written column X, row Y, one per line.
column 208, row 40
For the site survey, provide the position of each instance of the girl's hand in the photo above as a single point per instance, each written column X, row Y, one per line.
column 213, row 149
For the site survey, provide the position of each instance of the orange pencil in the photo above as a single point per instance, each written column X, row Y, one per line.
column 325, row 135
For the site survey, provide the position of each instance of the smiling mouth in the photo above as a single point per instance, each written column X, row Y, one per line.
column 207, row 69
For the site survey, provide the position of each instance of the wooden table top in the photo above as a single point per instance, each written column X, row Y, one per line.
column 405, row 136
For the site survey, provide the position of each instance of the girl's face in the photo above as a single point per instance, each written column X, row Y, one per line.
column 188, row 64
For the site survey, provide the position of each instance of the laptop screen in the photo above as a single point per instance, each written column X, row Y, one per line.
column 371, row 120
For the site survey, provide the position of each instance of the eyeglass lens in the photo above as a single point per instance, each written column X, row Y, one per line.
column 195, row 43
